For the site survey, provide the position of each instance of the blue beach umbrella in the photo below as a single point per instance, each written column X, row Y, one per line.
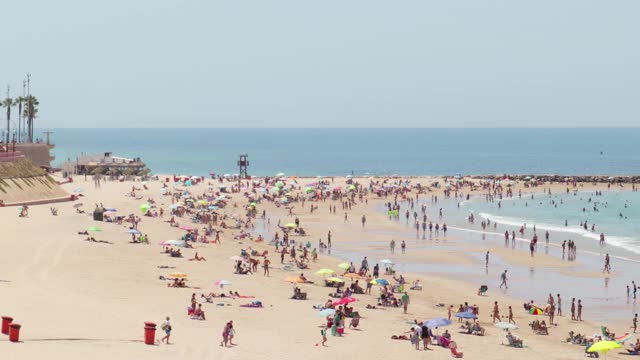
column 379, row 282
column 437, row 322
column 134, row 231
column 326, row 312
column 466, row 315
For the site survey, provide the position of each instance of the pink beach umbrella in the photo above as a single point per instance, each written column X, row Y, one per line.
column 343, row 301
column 186, row 228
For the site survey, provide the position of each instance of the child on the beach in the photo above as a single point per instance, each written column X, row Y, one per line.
column 323, row 333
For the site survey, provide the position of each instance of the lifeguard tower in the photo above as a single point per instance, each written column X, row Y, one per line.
column 243, row 164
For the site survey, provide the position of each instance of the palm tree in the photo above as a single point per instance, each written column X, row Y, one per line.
column 30, row 113
column 20, row 100
column 8, row 103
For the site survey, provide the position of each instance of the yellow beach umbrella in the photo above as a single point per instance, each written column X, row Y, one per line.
column 604, row 346
column 325, row 272
column 335, row 279
column 178, row 275
column 344, row 266
column 291, row 225
column 294, row 280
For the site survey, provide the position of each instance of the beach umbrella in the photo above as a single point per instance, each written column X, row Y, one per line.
column 186, row 228
column 77, row 205
column 178, row 275
column 325, row 272
column 213, row 207
column 326, row 312
column 466, row 315
column 352, row 276
column 78, row 190
column 174, row 206
column 279, row 184
column 236, row 258
column 291, row 225
column 506, row 326
column 623, row 338
column 133, row 231
column 379, row 282
column 604, row 346
column 253, row 204
column 294, row 280
column 203, row 202
column 335, row 279
column 345, row 300
column 308, row 190
column 280, row 174
column 223, row 283
column 179, row 243
column 144, row 208
column 94, row 229
column 437, row 322
column 351, row 187
column 109, row 213
column 386, row 262
column 344, row 266
column 536, row 311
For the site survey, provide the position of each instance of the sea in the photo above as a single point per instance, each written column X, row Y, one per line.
column 374, row 151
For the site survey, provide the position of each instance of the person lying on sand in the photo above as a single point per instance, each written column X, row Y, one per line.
column 83, row 232
column 178, row 283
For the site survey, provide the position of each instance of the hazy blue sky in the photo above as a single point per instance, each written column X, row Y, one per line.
column 145, row 63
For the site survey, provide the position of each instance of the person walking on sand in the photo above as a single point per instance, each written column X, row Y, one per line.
column 503, row 279
column 166, row 327
column 573, row 309
column 403, row 246
column 323, row 333
column 225, row 335
column 607, row 264
column 364, row 220
column 511, row 316
column 496, row 312
column 392, row 246
column 486, row 260
column 405, row 301
column 634, row 323
column 346, row 217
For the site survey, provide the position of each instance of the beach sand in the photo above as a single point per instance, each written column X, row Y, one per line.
column 76, row 299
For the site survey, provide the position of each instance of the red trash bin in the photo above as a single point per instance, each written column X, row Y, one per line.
column 14, row 332
column 6, row 320
column 149, row 333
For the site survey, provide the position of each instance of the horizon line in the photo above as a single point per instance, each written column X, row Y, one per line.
column 347, row 127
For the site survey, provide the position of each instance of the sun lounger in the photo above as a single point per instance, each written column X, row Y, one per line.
column 513, row 342
column 483, row 290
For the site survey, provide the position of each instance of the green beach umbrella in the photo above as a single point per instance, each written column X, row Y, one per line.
column 279, row 184
column 325, row 272
column 253, row 204
column 308, row 190
column 144, row 208
column 344, row 266
column 94, row 228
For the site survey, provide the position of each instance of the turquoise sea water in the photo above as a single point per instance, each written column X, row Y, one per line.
column 365, row 151
column 614, row 213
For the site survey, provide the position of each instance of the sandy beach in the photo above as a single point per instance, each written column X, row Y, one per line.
column 77, row 298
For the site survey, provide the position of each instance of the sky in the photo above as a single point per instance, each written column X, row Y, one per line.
column 297, row 63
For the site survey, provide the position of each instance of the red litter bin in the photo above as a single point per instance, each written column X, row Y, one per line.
column 14, row 332
column 6, row 320
column 149, row 333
